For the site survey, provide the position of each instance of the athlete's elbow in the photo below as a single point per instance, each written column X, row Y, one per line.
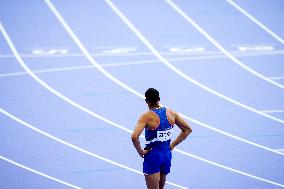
column 134, row 137
column 188, row 131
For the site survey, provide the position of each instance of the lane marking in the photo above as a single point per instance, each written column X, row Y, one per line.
column 64, row 98
column 76, row 147
column 118, row 82
column 125, row 50
column 219, row 46
column 186, row 49
column 179, row 72
column 37, row 172
column 255, row 48
column 277, row 78
column 265, row 28
column 193, row 54
column 50, row 51
column 272, row 111
column 280, row 150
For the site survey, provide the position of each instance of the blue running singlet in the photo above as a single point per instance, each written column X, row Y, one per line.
column 159, row 139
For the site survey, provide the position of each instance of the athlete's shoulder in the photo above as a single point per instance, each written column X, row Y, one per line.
column 147, row 115
column 172, row 112
column 171, row 116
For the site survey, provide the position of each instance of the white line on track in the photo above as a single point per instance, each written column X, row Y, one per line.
column 37, row 172
column 179, row 72
column 272, row 111
column 118, row 82
column 76, row 147
column 280, row 150
column 256, row 48
column 252, row 18
column 277, row 78
column 190, row 56
column 222, row 49
column 64, row 98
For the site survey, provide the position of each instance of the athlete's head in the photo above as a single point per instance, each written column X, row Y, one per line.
column 152, row 96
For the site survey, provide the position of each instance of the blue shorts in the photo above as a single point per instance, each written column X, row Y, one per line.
column 156, row 161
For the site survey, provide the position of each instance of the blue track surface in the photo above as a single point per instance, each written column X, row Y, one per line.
column 70, row 116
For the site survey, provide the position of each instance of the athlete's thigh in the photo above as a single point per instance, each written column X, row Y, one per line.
column 152, row 180
column 165, row 167
column 162, row 182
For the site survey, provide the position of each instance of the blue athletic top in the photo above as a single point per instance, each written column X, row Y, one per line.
column 160, row 136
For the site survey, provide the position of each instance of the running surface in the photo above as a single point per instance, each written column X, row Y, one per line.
column 72, row 75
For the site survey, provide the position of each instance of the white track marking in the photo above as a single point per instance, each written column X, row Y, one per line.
column 177, row 71
column 92, row 60
column 119, row 51
column 49, row 51
column 276, row 78
column 222, row 49
column 195, row 55
column 187, row 49
column 37, row 172
column 64, row 98
column 76, row 147
column 280, row 150
column 272, row 111
column 259, row 48
column 274, row 35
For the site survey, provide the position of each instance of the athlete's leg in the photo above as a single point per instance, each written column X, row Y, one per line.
column 162, row 181
column 152, row 180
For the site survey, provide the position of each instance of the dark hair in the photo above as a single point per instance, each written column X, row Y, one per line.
column 152, row 95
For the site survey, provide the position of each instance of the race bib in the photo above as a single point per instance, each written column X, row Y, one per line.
column 164, row 135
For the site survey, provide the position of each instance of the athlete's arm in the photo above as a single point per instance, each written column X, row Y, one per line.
column 185, row 130
column 141, row 124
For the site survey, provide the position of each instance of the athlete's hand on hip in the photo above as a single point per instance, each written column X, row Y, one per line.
column 172, row 147
column 144, row 152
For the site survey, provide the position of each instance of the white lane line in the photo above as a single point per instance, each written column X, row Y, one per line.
column 37, row 172
column 179, row 72
column 194, row 55
column 76, row 147
column 252, row 18
column 222, row 49
column 256, row 48
column 118, row 51
column 187, row 49
column 280, row 150
column 50, row 51
column 277, row 78
column 64, row 98
column 272, row 111
column 118, row 82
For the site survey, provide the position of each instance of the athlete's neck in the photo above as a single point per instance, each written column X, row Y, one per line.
column 154, row 106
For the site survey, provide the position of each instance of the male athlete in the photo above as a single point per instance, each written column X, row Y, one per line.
column 158, row 123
